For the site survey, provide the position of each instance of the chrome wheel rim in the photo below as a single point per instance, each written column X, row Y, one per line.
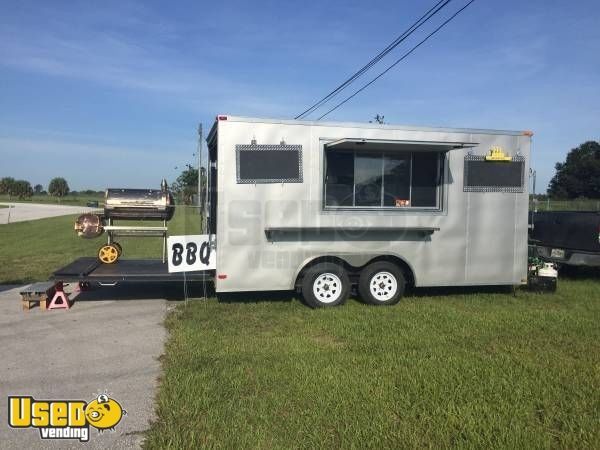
column 383, row 286
column 327, row 288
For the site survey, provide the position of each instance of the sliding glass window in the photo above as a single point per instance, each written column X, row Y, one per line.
column 387, row 180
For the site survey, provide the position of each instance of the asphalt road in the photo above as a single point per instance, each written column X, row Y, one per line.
column 97, row 345
column 20, row 212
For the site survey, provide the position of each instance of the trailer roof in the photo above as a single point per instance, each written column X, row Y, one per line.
column 371, row 125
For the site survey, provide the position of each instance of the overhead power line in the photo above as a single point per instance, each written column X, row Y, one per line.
column 415, row 26
column 399, row 60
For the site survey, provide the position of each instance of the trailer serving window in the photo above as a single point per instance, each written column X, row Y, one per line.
column 384, row 174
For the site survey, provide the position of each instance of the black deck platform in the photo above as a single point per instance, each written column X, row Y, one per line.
column 129, row 270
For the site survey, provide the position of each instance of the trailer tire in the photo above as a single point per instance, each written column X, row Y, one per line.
column 381, row 283
column 325, row 284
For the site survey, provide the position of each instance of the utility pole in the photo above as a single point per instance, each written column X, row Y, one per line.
column 200, row 203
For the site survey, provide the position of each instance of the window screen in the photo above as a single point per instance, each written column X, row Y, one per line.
column 269, row 163
column 493, row 176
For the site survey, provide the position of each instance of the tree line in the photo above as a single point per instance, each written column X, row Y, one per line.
column 579, row 175
column 22, row 189
column 186, row 185
column 184, row 188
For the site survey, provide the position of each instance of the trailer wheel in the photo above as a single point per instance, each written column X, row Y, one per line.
column 325, row 284
column 381, row 283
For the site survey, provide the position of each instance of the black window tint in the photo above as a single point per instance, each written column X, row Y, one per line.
column 493, row 176
column 367, row 176
column 382, row 179
column 396, row 180
column 269, row 163
column 425, row 179
column 339, row 183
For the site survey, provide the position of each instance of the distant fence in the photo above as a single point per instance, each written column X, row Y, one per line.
column 565, row 205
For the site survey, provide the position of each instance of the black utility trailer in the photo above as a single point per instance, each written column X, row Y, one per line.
column 91, row 270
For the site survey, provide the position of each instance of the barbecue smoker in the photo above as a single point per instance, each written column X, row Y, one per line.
column 128, row 204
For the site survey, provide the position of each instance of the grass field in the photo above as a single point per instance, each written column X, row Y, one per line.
column 468, row 369
column 31, row 251
column 74, row 200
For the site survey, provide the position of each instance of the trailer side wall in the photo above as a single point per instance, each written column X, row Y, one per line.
column 475, row 238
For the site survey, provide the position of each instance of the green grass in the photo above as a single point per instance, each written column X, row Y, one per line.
column 31, row 251
column 473, row 369
column 73, row 200
column 3, row 206
column 457, row 368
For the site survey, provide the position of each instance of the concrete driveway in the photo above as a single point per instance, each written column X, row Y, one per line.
column 20, row 212
column 97, row 345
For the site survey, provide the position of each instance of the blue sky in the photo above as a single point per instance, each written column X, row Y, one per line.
column 111, row 93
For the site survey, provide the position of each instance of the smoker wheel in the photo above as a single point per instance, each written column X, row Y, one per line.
column 108, row 254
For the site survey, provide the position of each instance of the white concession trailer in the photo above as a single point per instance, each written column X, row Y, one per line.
column 322, row 207
column 326, row 207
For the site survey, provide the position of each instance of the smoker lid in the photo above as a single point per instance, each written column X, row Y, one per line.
column 135, row 193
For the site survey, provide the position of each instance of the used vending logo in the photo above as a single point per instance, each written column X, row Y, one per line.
column 64, row 419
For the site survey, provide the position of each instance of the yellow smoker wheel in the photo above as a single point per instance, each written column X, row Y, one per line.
column 108, row 254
